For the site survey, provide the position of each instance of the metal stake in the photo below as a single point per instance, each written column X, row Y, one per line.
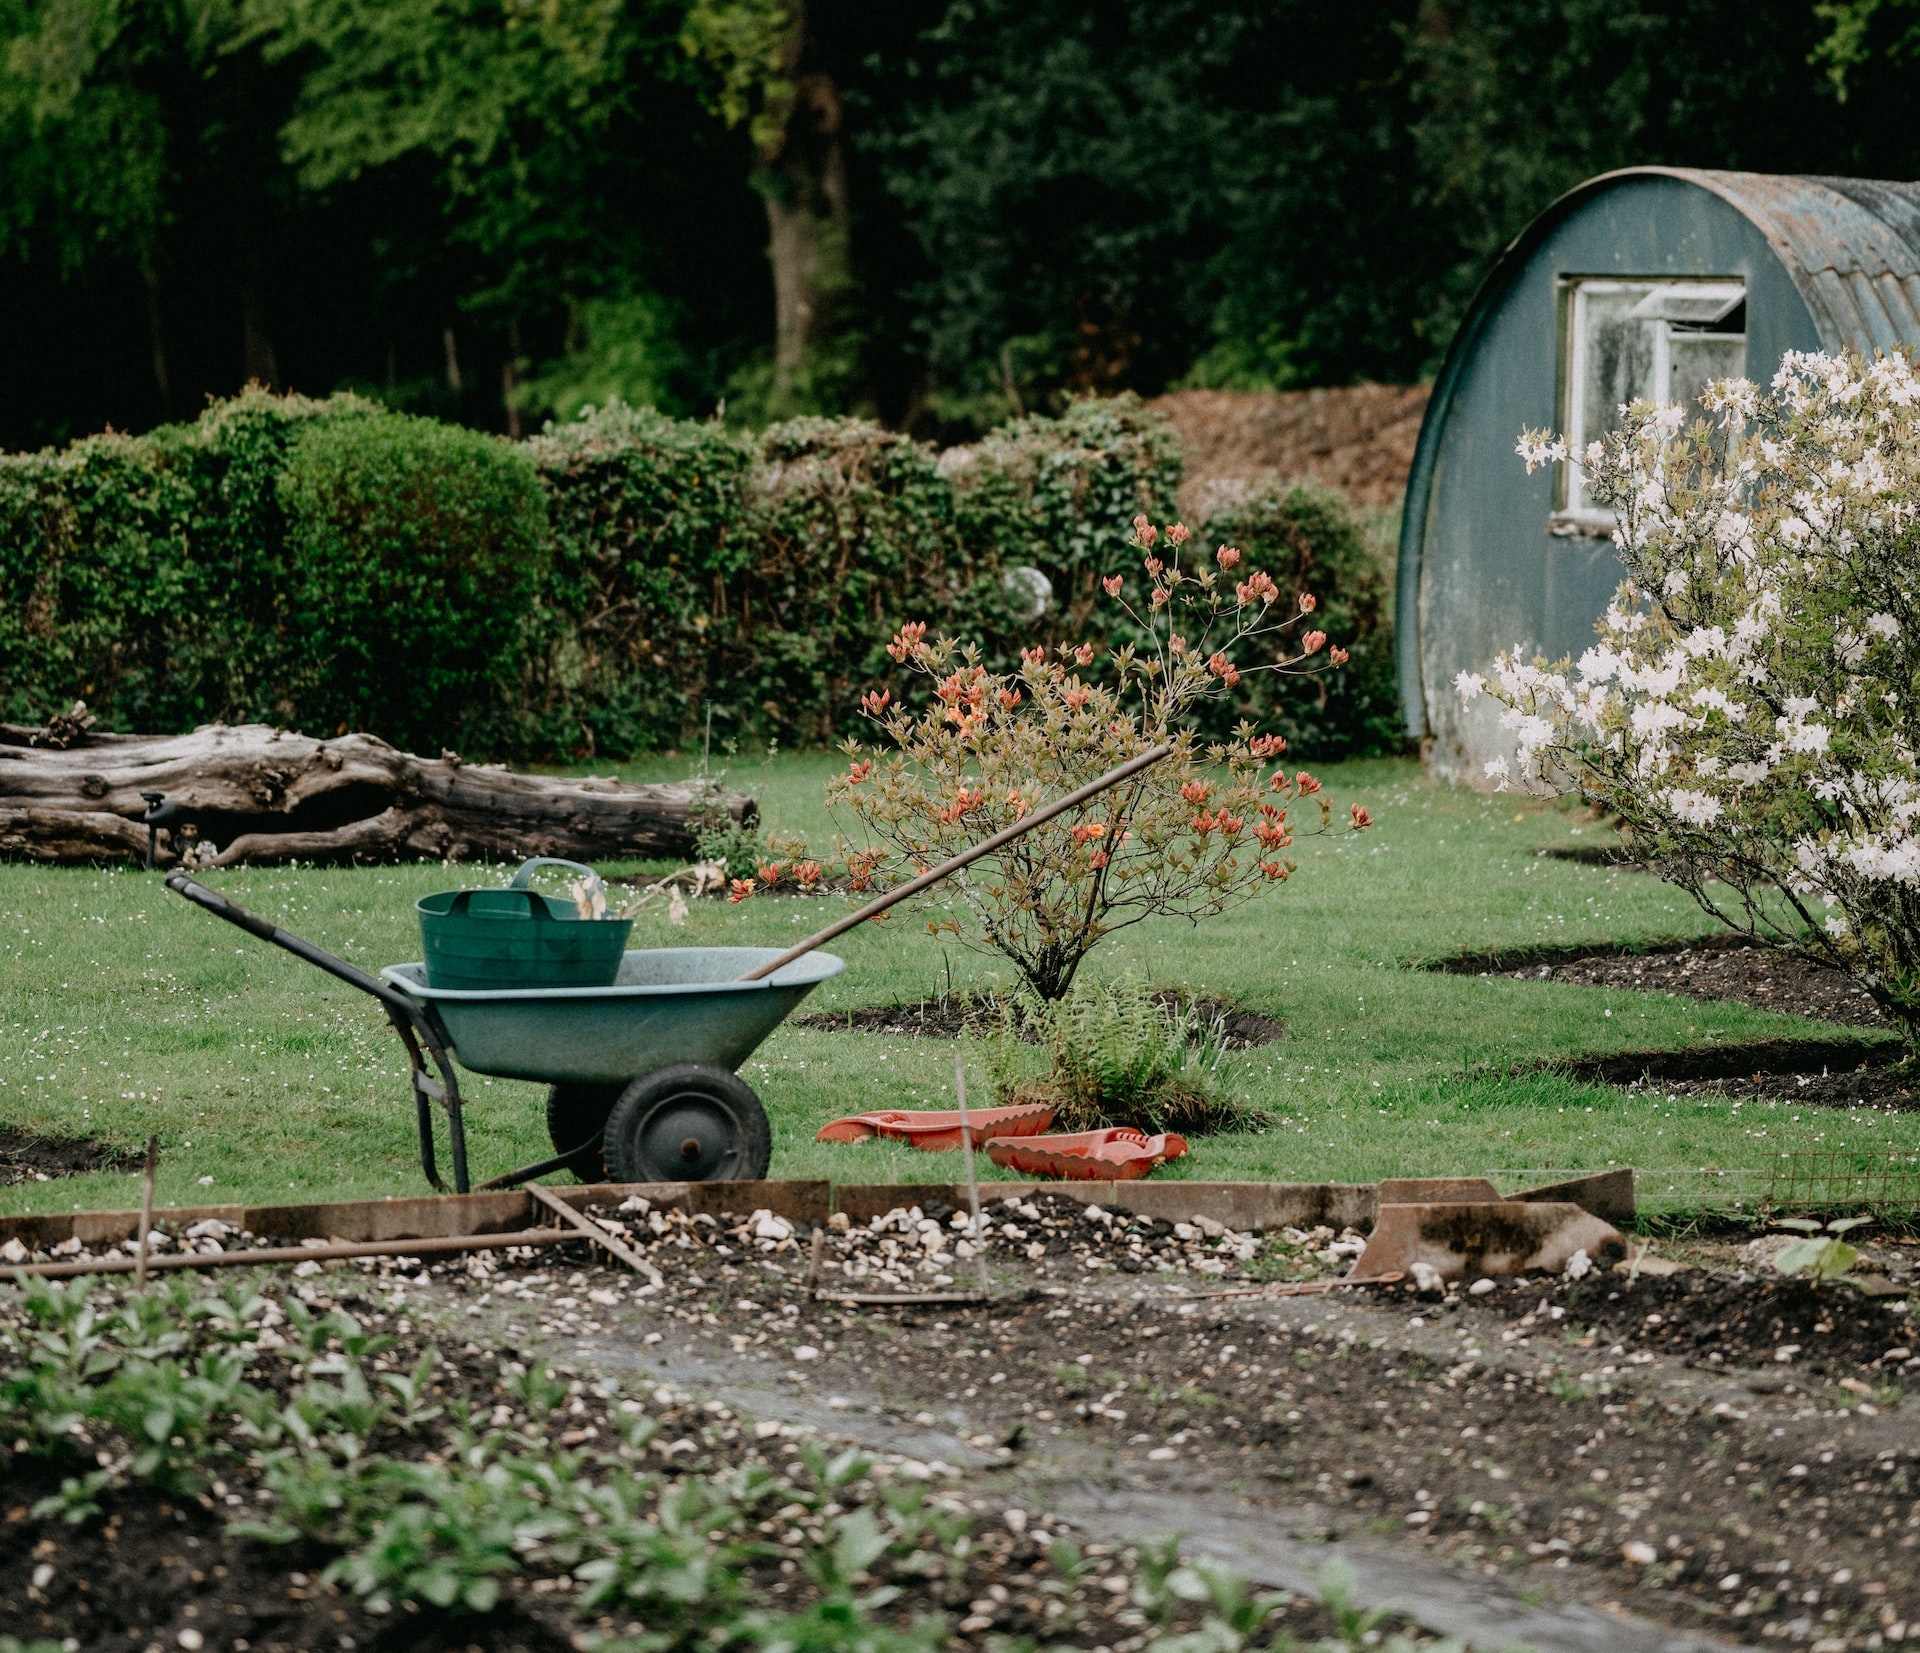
column 973, row 1186
column 146, row 1213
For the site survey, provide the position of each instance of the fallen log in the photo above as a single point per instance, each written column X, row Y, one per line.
column 254, row 795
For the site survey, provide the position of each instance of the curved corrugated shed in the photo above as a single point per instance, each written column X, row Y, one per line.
column 1848, row 248
column 1852, row 246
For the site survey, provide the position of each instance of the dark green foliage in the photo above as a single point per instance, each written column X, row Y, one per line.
column 856, row 534
column 646, row 516
column 415, row 553
column 143, row 574
column 1060, row 495
column 602, row 589
column 1309, row 541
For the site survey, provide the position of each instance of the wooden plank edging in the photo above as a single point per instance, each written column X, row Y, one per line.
column 1238, row 1205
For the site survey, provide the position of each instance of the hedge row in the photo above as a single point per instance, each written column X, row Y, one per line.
column 602, row 589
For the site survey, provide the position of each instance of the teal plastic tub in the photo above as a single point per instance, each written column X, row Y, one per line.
column 494, row 939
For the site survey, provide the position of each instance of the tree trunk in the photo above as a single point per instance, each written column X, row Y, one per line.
column 256, row 344
column 156, row 335
column 260, row 796
column 509, row 381
column 802, row 176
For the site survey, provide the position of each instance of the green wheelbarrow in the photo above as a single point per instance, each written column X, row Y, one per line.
column 641, row 1075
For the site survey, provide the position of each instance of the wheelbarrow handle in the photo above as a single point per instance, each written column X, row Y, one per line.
column 254, row 925
column 419, row 1029
column 966, row 857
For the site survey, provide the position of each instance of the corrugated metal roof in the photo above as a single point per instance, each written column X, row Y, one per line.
column 1852, row 245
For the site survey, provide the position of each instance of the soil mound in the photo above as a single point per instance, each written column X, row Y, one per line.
column 1356, row 438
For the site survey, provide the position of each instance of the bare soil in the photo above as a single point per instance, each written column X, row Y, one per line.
column 1357, row 438
column 27, row 1157
column 1572, row 1464
column 954, row 1015
column 1537, row 1436
column 1843, row 1074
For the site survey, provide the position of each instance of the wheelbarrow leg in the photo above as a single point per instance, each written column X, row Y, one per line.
column 457, row 1139
column 423, row 1117
column 415, row 1026
column 414, row 1030
column 425, row 1089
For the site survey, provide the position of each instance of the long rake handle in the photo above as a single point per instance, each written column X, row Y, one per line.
column 946, row 869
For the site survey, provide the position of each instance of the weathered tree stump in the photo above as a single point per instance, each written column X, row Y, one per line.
column 261, row 796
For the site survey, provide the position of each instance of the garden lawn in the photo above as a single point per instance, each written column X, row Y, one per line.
column 124, row 1011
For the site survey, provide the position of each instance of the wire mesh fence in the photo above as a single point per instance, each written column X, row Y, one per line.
column 1820, row 1181
column 1827, row 1180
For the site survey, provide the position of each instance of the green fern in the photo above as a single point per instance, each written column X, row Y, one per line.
column 1121, row 1054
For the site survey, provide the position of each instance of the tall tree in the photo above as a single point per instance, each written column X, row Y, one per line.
column 764, row 67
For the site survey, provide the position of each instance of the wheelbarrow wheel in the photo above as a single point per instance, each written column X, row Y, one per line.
column 688, row 1122
column 576, row 1117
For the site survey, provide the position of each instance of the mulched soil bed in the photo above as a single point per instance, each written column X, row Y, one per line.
column 164, row 1571
column 956, row 1015
column 26, row 1157
column 1713, row 1448
column 1844, row 1074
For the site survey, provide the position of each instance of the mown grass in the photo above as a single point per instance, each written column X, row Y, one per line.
column 123, row 1011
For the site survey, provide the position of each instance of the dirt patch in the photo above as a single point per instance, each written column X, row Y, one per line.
column 1715, row 968
column 1835, row 1073
column 1635, row 1443
column 149, row 1568
column 1843, row 1073
column 1733, row 1320
column 1549, row 1433
column 1760, row 1061
column 1867, row 1086
column 1357, row 438
column 28, row 1157
column 955, row 1015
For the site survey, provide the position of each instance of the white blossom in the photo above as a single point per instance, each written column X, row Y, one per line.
column 1695, row 808
column 1743, row 699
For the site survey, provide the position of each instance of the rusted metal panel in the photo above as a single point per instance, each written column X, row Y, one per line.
column 1829, row 263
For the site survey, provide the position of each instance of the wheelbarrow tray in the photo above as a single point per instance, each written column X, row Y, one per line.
column 666, row 1004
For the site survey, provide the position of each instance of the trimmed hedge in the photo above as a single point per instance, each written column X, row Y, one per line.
column 1308, row 539
column 603, row 588
column 416, row 555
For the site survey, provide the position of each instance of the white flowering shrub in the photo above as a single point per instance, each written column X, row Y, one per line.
column 1749, row 709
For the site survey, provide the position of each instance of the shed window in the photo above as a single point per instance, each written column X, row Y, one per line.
column 1625, row 340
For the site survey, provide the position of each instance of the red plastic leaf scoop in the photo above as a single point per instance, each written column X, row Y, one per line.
column 940, row 1130
column 1118, row 1154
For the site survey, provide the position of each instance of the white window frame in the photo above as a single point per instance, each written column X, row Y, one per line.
column 1570, row 516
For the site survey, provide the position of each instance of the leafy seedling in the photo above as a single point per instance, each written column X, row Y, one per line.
column 1823, row 1254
